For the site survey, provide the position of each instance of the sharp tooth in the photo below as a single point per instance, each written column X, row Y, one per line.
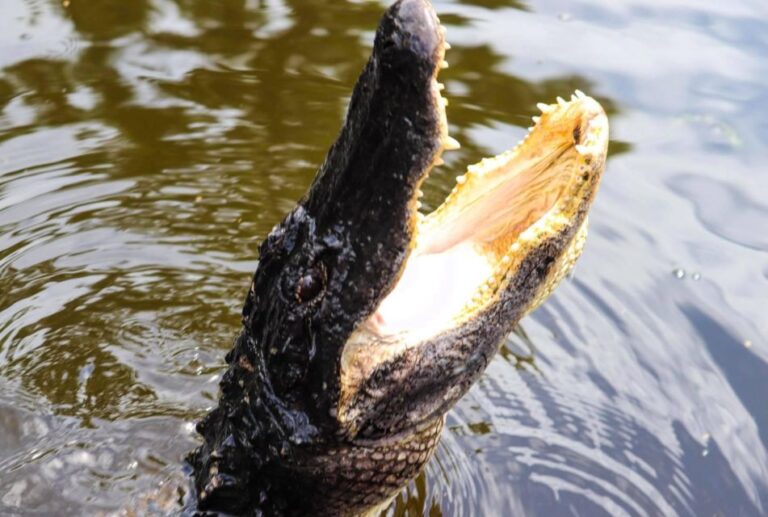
column 451, row 144
column 419, row 194
column 545, row 108
column 531, row 128
column 461, row 179
column 444, row 64
column 447, row 46
column 443, row 102
column 536, row 119
column 579, row 94
column 561, row 102
column 439, row 161
column 440, row 86
column 573, row 98
column 418, row 205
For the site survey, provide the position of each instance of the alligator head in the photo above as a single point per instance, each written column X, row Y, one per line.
column 366, row 321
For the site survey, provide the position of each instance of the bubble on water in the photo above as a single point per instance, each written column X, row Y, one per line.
column 565, row 17
column 696, row 276
column 679, row 273
column 82, row 458
column 748, row 343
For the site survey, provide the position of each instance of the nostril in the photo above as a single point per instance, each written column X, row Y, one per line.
column 577, row 135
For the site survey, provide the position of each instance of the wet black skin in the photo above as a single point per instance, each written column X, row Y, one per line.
column 274, row 445
column 321, row 271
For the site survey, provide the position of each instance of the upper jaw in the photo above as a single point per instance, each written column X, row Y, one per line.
column 360, row 211
column 395, row 131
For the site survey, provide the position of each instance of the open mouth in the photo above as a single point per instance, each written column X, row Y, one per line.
column 511, row 229
column 463, row 253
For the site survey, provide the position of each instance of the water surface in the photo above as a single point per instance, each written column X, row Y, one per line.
column 146, row 147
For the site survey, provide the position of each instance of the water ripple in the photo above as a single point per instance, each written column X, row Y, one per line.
column 146, row 147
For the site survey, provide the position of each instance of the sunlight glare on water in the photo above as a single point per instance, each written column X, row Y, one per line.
column 146, row 147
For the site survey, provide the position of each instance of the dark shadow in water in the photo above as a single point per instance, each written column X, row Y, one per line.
column 108, row 19
column 745, row 372
column 498, row 4
column 415, row 501
column 715, row 488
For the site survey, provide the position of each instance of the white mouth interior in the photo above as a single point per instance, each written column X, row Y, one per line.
column 433, row 289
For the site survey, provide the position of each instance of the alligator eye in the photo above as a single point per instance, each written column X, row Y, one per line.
column 311, row 285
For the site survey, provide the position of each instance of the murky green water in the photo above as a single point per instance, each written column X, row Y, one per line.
column 146, row 146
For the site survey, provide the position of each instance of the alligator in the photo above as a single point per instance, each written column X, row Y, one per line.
column 367, row 320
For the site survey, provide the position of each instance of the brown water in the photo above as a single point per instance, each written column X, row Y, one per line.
column 146, row 146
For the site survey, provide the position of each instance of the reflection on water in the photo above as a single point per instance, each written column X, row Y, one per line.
column 147, row 146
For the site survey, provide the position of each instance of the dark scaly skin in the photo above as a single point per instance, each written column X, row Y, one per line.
column 273, row 445
column 368, row 472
